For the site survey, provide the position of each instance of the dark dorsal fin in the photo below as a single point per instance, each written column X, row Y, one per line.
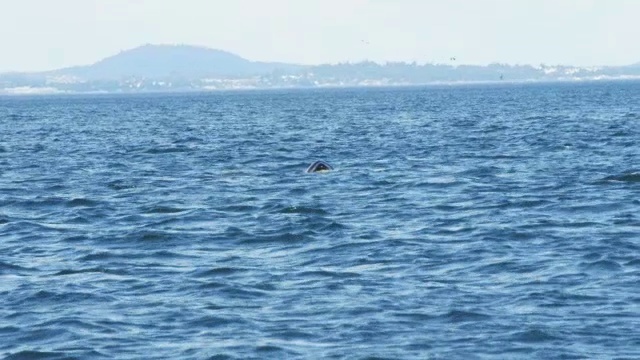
column 319, row 166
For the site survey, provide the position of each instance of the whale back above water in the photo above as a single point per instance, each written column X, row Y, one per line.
column 319, row 166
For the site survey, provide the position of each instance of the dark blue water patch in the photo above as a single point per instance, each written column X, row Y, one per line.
column 189, row 139
column 163, row 209
column 110, row 256
column 83, row 271
column 44, row 296
column 327, row 274
column 8, row 330
column 219, row 271
column 81, row 202
column 303, row 210
column 533, row 336
column 221, row 357
column 630, row 177
column 29, row 228
column 458, row 316
column 43, row 202
column 168, row 149
column 508, row 266
column 602, row 266
column 9, row 268
column 633, row 263
column 121, row 185
column 36, row 355
column 145, row 236
column 285, row 238
column 414, row 317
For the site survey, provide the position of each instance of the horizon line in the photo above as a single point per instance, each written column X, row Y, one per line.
column 452, row 63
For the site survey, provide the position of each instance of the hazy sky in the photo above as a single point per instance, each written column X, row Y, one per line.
column 47, row 34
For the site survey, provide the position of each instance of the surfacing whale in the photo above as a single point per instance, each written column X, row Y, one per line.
column 319, row 166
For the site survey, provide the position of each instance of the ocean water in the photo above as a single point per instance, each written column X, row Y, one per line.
column 460, row 222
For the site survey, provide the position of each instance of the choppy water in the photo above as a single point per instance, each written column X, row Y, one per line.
column 477, row 222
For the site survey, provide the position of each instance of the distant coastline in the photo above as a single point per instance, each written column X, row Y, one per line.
column 183, row 68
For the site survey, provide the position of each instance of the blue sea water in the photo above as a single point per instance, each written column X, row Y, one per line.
column 460, row 222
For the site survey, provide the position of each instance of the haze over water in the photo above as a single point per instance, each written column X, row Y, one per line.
column 466, row 222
